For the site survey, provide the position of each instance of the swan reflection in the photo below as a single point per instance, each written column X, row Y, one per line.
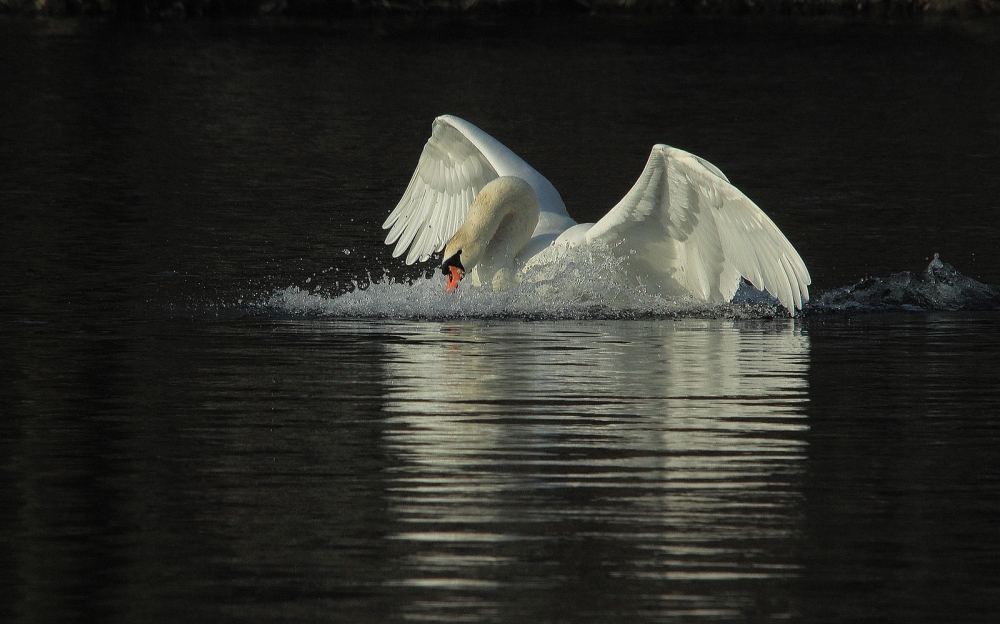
column 657, row 452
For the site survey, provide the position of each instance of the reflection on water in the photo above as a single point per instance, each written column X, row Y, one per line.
column 670, row 452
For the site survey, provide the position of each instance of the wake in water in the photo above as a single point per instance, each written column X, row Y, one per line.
column 583, row 290
column 939, row 287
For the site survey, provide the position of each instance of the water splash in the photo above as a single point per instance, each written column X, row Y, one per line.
column 584, row 290
column 582, row 285
column 427, row 299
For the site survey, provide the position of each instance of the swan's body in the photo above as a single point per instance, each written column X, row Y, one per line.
column 682, row 229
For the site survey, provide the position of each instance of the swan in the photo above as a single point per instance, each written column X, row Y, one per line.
column 682, row 229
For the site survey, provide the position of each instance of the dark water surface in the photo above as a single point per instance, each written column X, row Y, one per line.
column 176, row 447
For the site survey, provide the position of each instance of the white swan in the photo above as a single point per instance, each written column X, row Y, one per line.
column 682, row 229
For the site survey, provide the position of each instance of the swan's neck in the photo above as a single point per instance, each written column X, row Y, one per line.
column 498, row 225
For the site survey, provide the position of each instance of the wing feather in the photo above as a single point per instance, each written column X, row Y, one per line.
column 450, row 173
column 684, row 227
column 415, row 221
column 397, row 227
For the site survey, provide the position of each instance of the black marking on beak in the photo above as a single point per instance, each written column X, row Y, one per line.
column 454, row 261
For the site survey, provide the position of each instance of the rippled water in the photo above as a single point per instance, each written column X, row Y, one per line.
column 685, row 470
column 222, row 400
column 678, row 465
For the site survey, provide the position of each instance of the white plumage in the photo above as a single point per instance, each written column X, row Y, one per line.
column 681, row 229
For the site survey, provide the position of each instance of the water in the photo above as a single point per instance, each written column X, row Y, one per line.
column 211, row 413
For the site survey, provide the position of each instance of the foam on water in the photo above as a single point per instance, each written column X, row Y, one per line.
column 581, row 291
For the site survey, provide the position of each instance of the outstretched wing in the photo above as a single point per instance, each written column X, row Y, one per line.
column 457, row 162
column 683, row 223
column 449, row 175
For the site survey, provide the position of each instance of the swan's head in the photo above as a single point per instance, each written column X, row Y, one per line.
column 462, row 254
column 500, row 221
column 453, row 269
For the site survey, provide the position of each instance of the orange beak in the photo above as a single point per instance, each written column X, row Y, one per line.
column 454, row 278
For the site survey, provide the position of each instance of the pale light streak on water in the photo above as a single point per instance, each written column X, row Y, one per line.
column 681, row 442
